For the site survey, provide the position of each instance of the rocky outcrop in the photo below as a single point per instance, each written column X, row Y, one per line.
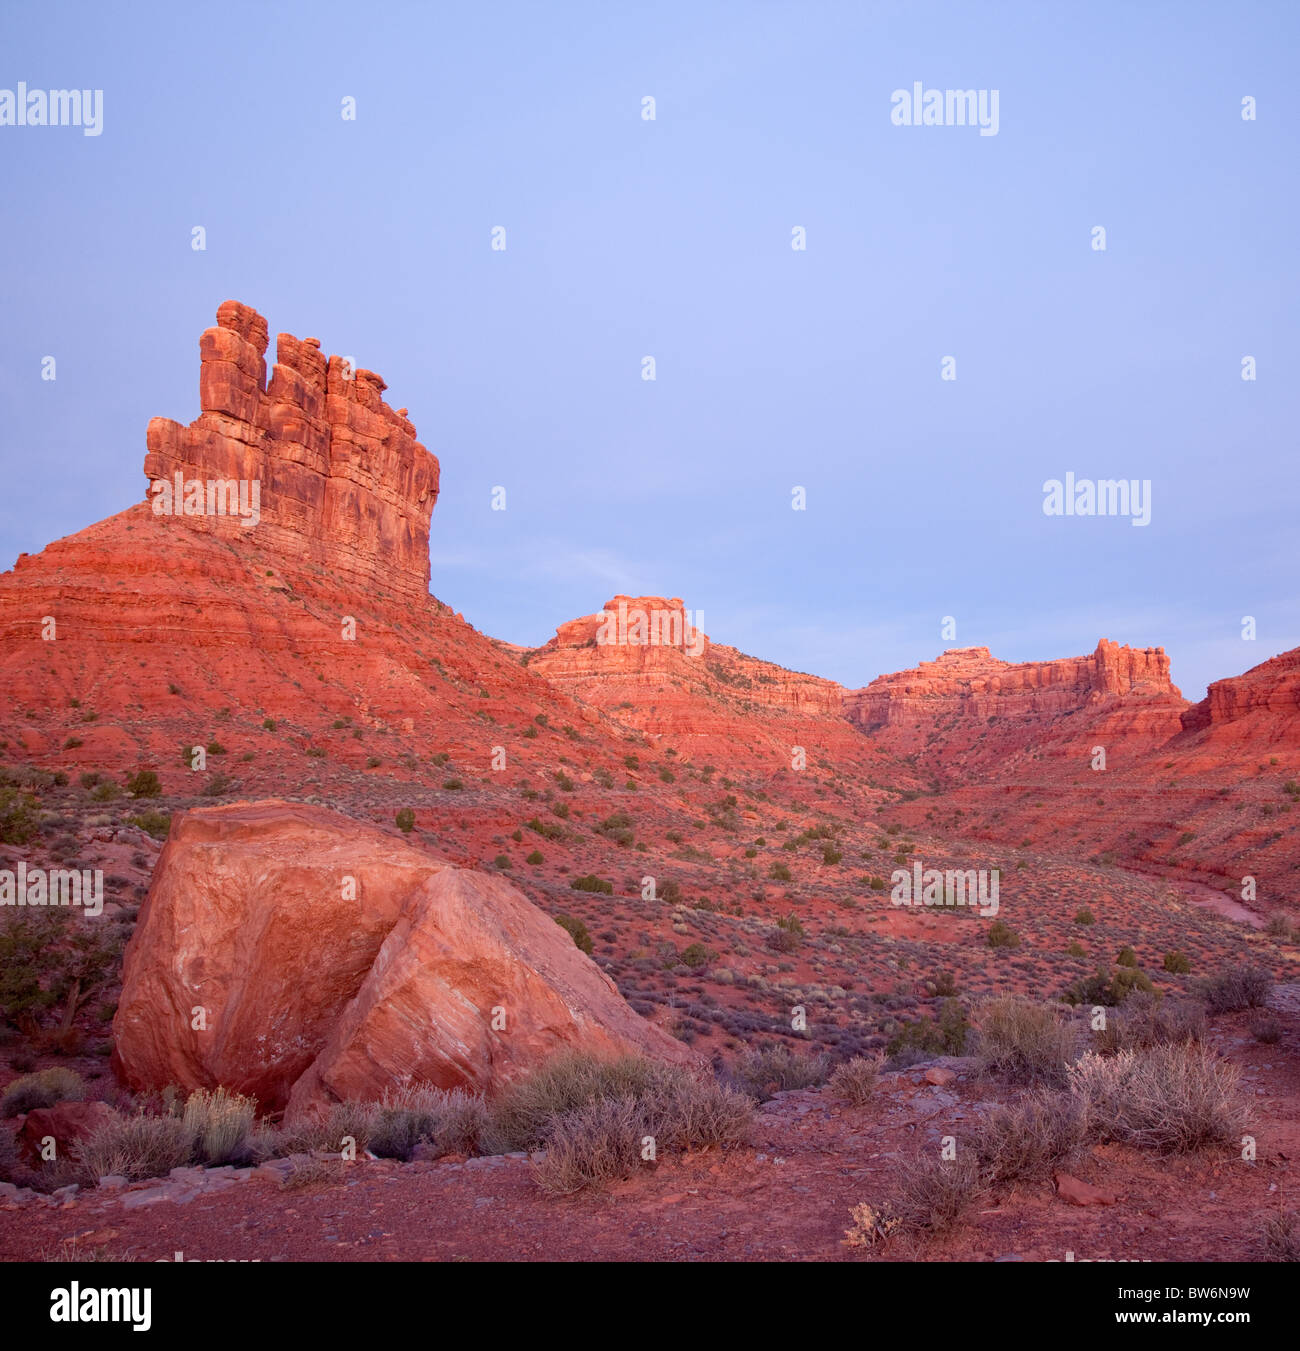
column 971, row 683
column 301, row 957
column 341, row 480
column 1266, row 694
column 645, row 662
column 641, row 647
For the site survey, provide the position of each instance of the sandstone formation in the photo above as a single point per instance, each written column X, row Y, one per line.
column 971, row 682
column 710, row 702
column 342, row 479
column 330, row 960
column 1263, row 704
column 309, row 634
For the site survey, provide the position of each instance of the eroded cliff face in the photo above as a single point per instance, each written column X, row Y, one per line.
column 646, row 663
column 967, row 713
column 342, row 481
column 971, row 682
column 1263, row 703
column 640, row 645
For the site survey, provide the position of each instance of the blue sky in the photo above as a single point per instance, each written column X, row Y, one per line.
column 671, row 238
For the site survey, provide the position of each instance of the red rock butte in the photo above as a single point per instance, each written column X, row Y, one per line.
column 344, row 483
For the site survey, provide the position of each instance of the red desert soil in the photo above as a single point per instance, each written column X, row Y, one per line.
column 785, row 1198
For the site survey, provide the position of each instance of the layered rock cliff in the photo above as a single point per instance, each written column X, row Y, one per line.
column 342, row 481
column 1267, row 693
column 972, row 683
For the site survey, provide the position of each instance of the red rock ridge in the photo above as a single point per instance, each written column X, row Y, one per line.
column 969, row 681
column 1269, row 692
column 611, row 657
column 343, row 481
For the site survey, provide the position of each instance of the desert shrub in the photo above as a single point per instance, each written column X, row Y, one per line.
column 856, row 1079
column 592, row 1116
column 1280, row 1236
column 42, row 1089
column 1146, row 1020
column 617, row 827
column 695, row 955
column 406, row 819
column 1266, row 1029
column 220, row 1124
column 1076, row 949
column 18, row 816
column 786, row 934
column 136, row 1147
column 144, row 783
column 932, row 1195
column 534, row 858
column 343, row 1121
column 155, row 823
column 448, row 1121
column 578, row 931
column 1026, row 1140
column 590, row 882
column 1108, row 990
column 775, row 1069
column 928, row 1037
column 1128, row 980
column 107, row 791
column 522, row 1114
column 1177, row 963
column 1126, row 957
column 1001, row 935
column 1084, row 916
column 49, row 959
column 779, row 872
column 1166, row 1098
column 595, row 1144
column 311, row 1172
column 943, row 983
column 871, row 1225
column 1243, row 986
column 603, row 1140
column 1024, row 1041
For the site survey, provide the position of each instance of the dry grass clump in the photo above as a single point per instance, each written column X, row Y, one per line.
column 933, row 1195
column 599, row 1120
column 776, row 1069
column 1280, row 1236
column 1024, row 1042
column 311, row 1172
column 523, row 1114
column 42, row 1089
column 1167, row 1098
column 1146, row 1021
column 220, row 1125
column 445, row 1121
column 856, row 1079
column 1244, row 986
column 136, row 1147
column 328, row 1132
column 593, row 1145
column 1026, row 1140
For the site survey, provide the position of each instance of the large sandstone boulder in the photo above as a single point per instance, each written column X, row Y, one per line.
column 301, row 956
